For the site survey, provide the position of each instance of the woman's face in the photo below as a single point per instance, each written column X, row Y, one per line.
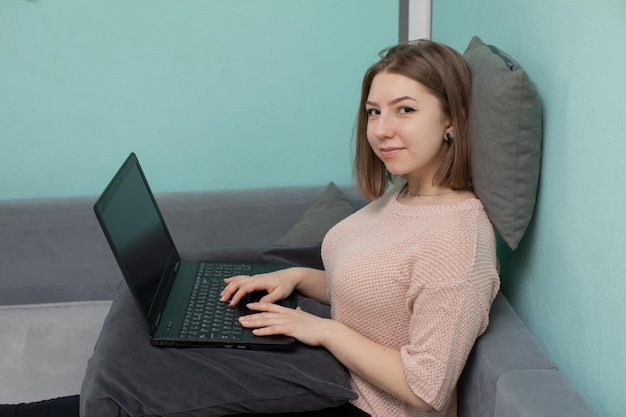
column 406, row 127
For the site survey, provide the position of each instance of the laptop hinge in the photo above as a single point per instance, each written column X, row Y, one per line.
column 162, row 294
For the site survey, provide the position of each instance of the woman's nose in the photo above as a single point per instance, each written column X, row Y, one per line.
column 384, row 126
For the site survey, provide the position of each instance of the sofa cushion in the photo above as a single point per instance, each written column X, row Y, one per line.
column 329, row 208
column 62, row 236
column 45, row 348
column 506, row 139
column 127, row 373
column 538, row 393
column 506, row 345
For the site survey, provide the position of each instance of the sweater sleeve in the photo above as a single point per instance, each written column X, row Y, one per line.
column 446, row 320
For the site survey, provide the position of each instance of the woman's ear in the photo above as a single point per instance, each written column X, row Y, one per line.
column 448, row 134
column 449, row 128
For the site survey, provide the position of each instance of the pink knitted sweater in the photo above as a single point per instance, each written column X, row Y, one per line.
column 417, row 279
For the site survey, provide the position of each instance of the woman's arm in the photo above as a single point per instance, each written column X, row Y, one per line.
column 378, row 364
column 312, row 284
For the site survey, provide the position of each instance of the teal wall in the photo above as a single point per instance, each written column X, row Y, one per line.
column 210, row 94
column 238, row 94
column 567, row 280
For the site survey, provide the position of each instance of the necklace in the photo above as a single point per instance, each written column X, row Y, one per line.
column 408, row 194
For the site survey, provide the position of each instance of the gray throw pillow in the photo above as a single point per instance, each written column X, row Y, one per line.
column 327, row 210
column 506, row 139
column 127, row 375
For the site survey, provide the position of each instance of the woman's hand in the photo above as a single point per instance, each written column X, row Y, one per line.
column 272, row 319
column 376, row 363
column 278, row 285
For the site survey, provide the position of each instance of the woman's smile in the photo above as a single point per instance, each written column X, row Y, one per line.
column 390, row 152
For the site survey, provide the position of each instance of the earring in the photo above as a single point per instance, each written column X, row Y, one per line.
column 449, row 138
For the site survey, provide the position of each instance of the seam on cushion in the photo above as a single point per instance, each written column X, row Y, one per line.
column 495, row 402
column 523, row 369
column 60, row 304
column 517, row 145
column 268, row 400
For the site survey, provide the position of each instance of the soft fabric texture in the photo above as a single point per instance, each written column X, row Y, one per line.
column 419, row 279
column 62, row 236
column 45, row 348
column 344, row 410
column 126, row 373
column 506, row 139
column 56, row 407
column 545, row 387
column 327, row 209
column 200, row 222
column 507, row 345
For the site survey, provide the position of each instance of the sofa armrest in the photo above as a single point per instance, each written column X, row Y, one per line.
column 508, row 374
column 538, row 393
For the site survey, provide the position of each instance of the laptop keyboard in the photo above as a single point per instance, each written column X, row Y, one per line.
column 207, row 317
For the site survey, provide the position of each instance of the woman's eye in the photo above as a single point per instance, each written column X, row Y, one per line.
column 405, row 110
column 372, row 112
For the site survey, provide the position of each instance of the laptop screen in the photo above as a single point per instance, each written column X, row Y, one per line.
column 137, row 235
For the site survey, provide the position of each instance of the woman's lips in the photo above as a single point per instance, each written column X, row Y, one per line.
column 389, row 152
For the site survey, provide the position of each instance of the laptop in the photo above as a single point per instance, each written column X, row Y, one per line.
column 179, row 298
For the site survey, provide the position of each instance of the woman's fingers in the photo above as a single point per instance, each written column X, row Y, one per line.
column 270, row 319
column 237, row 287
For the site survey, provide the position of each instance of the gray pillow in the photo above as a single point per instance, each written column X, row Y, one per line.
column 327, row 210
column 506, row 139
column 127, row 375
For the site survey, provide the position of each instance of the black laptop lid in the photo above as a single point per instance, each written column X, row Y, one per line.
column 138, row 236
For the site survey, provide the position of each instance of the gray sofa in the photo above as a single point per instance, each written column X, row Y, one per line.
column 58, row 277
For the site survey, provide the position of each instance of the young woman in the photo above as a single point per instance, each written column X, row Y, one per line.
column 410, row 277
